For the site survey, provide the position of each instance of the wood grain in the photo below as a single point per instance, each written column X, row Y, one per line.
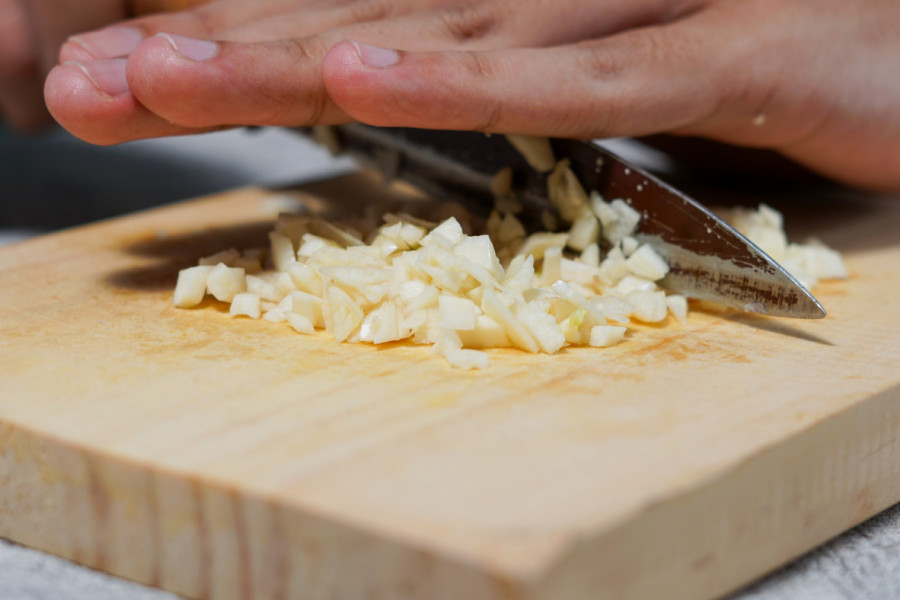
column 229, row 458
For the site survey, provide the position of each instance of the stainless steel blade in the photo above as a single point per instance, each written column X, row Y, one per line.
column 708, row 259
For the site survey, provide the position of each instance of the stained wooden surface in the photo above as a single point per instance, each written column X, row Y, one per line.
column 230, row 458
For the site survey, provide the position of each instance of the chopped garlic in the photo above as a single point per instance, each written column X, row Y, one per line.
column 645, row 262
column 536, row 150
column 191, row 286
column 434, row 284
column 223, row 282
column 606, row 335
column 246, row 304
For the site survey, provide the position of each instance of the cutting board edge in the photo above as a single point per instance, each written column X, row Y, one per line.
column 240, row 540
column 860, row 444
column 248, row 542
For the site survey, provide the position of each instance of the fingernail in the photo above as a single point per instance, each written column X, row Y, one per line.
column 108, row 75
column 190, row 47
column 112, row 42
column 375, row 57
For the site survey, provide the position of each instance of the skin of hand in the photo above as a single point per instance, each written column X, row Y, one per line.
column 812, row 79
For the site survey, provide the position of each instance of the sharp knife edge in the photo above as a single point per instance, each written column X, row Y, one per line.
column 708, row 259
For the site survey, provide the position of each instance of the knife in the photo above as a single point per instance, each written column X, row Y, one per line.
column 708, row 259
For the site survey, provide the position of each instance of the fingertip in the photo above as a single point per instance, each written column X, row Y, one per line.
column 357, row 75
column 75, row 103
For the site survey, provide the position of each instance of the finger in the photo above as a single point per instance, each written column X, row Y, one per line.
column 202, row 22
column 437, row 24
column 91, row 100
column 320, row 16
column 702, row 75
column 199, row 83
column 631, row 84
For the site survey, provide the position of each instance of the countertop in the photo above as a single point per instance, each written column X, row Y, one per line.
column 54, row 181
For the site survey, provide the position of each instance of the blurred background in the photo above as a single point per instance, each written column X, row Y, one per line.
column 54, row 180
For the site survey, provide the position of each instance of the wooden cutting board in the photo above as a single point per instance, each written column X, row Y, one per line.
column 228, row 458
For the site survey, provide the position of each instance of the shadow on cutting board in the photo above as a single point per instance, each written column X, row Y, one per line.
column 346, row 198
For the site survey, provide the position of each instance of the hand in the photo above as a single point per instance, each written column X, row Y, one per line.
column 812, row 79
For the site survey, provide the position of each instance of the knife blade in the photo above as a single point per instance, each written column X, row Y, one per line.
column 708, row 259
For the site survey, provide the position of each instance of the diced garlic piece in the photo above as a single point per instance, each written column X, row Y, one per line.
column 537, row 243
column 355, row 277
column 584, row 231
column 520, row 274
column 270, row 286
column 305, row 279
column 606, row 335
column 326, row 230
column 518, row 335
column 816, row 259
column 487, row 333
column 223, row 282
column 480, row 251
column 542, row 327
column 191, row 286
column 571, row 326
column 578, row 272
column 617, row 218
column 381, row 325
column 645, row 262
column 388, row 329
column 629, row 245
column 536, row 150
column 283, row 254
column 591, row 255
column 632, row 283
column 615, row 309
column 764, row 227
column 225, row 256
column 565, row 192
column 510, row 229
column 309, row 306
column 457, row 313
column 274, row 315
column 568, row 293
column 342, row 315
column 300, row 323
column 428, row 331
column 450, row 230
column 245, row 304
column 551, row 267
column 678, row 306
column 649, row 306
column 427, row 298
column 312, row 244
column 501, row 182
column 613, row 267
column 450, row 347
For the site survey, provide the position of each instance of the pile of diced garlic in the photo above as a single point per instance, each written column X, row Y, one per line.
column 434, row 284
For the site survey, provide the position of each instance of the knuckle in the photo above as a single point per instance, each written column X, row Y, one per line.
column 361, row 11
column 286, row 101
column 468, row 22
